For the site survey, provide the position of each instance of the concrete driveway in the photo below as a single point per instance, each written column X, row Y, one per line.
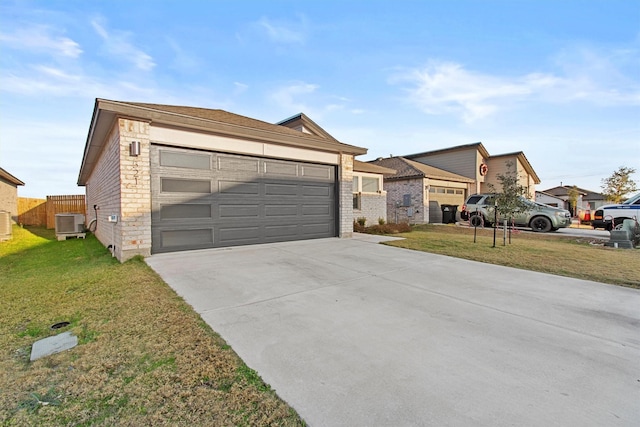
column 354, row 333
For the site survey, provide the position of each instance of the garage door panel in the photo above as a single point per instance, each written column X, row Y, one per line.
column 281, row 210
column 239, row 234
column 185, row 211
column 279, row 189
column 318, row 172
column 319, row 229
column 240, row 200
column 317, row 210
column 324, row 191
column 239, row 211
column 184, row 185
column 281, row 232
column 236, row 164
column 187, row 238
column 185, row 160
column 237, row 187
column 275, row 169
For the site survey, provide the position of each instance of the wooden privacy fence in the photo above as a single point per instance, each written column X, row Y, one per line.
column 41, row 212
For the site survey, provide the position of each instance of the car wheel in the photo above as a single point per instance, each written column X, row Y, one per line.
column 618, row 224
column 476, row 221
column 541, row 224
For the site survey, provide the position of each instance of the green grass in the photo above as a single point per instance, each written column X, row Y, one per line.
column 582, row 258
column 143, row 353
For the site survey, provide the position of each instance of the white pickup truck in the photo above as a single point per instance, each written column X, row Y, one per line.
column 610, row 216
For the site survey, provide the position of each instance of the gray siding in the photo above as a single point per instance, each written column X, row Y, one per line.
column 461, row 162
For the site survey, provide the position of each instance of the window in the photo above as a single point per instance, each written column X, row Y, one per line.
column 356, row 201
column 367, row 184
column 370, row 185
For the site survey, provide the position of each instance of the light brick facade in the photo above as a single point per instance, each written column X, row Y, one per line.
column 345, row 182
column 373, row 207
column 121, row 185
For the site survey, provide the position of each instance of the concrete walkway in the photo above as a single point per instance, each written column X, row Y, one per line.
column 354, row 333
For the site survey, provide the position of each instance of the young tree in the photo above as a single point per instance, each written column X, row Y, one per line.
column 573, row 194
column 510, row 198
column 620, row 183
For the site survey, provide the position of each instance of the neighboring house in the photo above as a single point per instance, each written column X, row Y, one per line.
column 549, row 199
column 9, row 193
column 511, row 163
column 369, row 196
column 474, row 161
column 162, row 178
column 587, row 199
column 417, row 192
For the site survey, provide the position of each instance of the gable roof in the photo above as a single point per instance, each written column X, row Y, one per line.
column 544, row 193
column 525, row 162
column 359, row 166
column 106, row 111
column 563, row 190
column 477, row 145
column 309, row 125
column 406, row 169
column 6, row 176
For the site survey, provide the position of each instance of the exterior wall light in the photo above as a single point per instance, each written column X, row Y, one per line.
column 134, row 148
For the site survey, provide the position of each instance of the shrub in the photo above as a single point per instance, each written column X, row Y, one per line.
column 361, row 221
column 381, row 221
column 387, row 228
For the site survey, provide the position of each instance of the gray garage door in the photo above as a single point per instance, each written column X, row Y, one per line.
column 203, row 200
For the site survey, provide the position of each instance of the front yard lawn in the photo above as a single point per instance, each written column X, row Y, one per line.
column 144, row 356
column 582, row 258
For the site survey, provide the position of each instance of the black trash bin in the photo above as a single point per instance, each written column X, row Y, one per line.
column 449, row 213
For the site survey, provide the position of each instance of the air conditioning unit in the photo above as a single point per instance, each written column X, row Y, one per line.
column 69, row 223
column 5, row 226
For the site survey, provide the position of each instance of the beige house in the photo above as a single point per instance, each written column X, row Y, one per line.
column 163, row 178
column 474, row 161
column 9, row 194
column 419, row 193
column 433, row 185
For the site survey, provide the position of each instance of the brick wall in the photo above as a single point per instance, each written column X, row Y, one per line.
column 120, row 185
column 395, row 194
column 135, row 181
column 345, row 182
column 372, row 207
column 9, row 198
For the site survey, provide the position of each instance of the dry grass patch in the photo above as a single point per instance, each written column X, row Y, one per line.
column 582, row 258
column 144, row 356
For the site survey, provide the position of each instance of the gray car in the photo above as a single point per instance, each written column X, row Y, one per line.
column 479, row 210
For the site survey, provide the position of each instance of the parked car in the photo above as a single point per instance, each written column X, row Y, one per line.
column 479, row 210
column 611, row 216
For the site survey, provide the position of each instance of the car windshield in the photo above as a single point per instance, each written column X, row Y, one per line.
column 635, row 200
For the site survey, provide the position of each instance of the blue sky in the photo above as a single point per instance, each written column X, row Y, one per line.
column 559, row 80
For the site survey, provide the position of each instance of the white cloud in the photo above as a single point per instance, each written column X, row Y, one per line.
column 240, row 88
column 46, row 80
column 585, row 76
column 39, row 38
column 117, row 44
column 288, row 97
column 287, row 33
column 183, row 60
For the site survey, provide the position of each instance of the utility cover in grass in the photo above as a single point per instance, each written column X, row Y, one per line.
column 53, row 345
